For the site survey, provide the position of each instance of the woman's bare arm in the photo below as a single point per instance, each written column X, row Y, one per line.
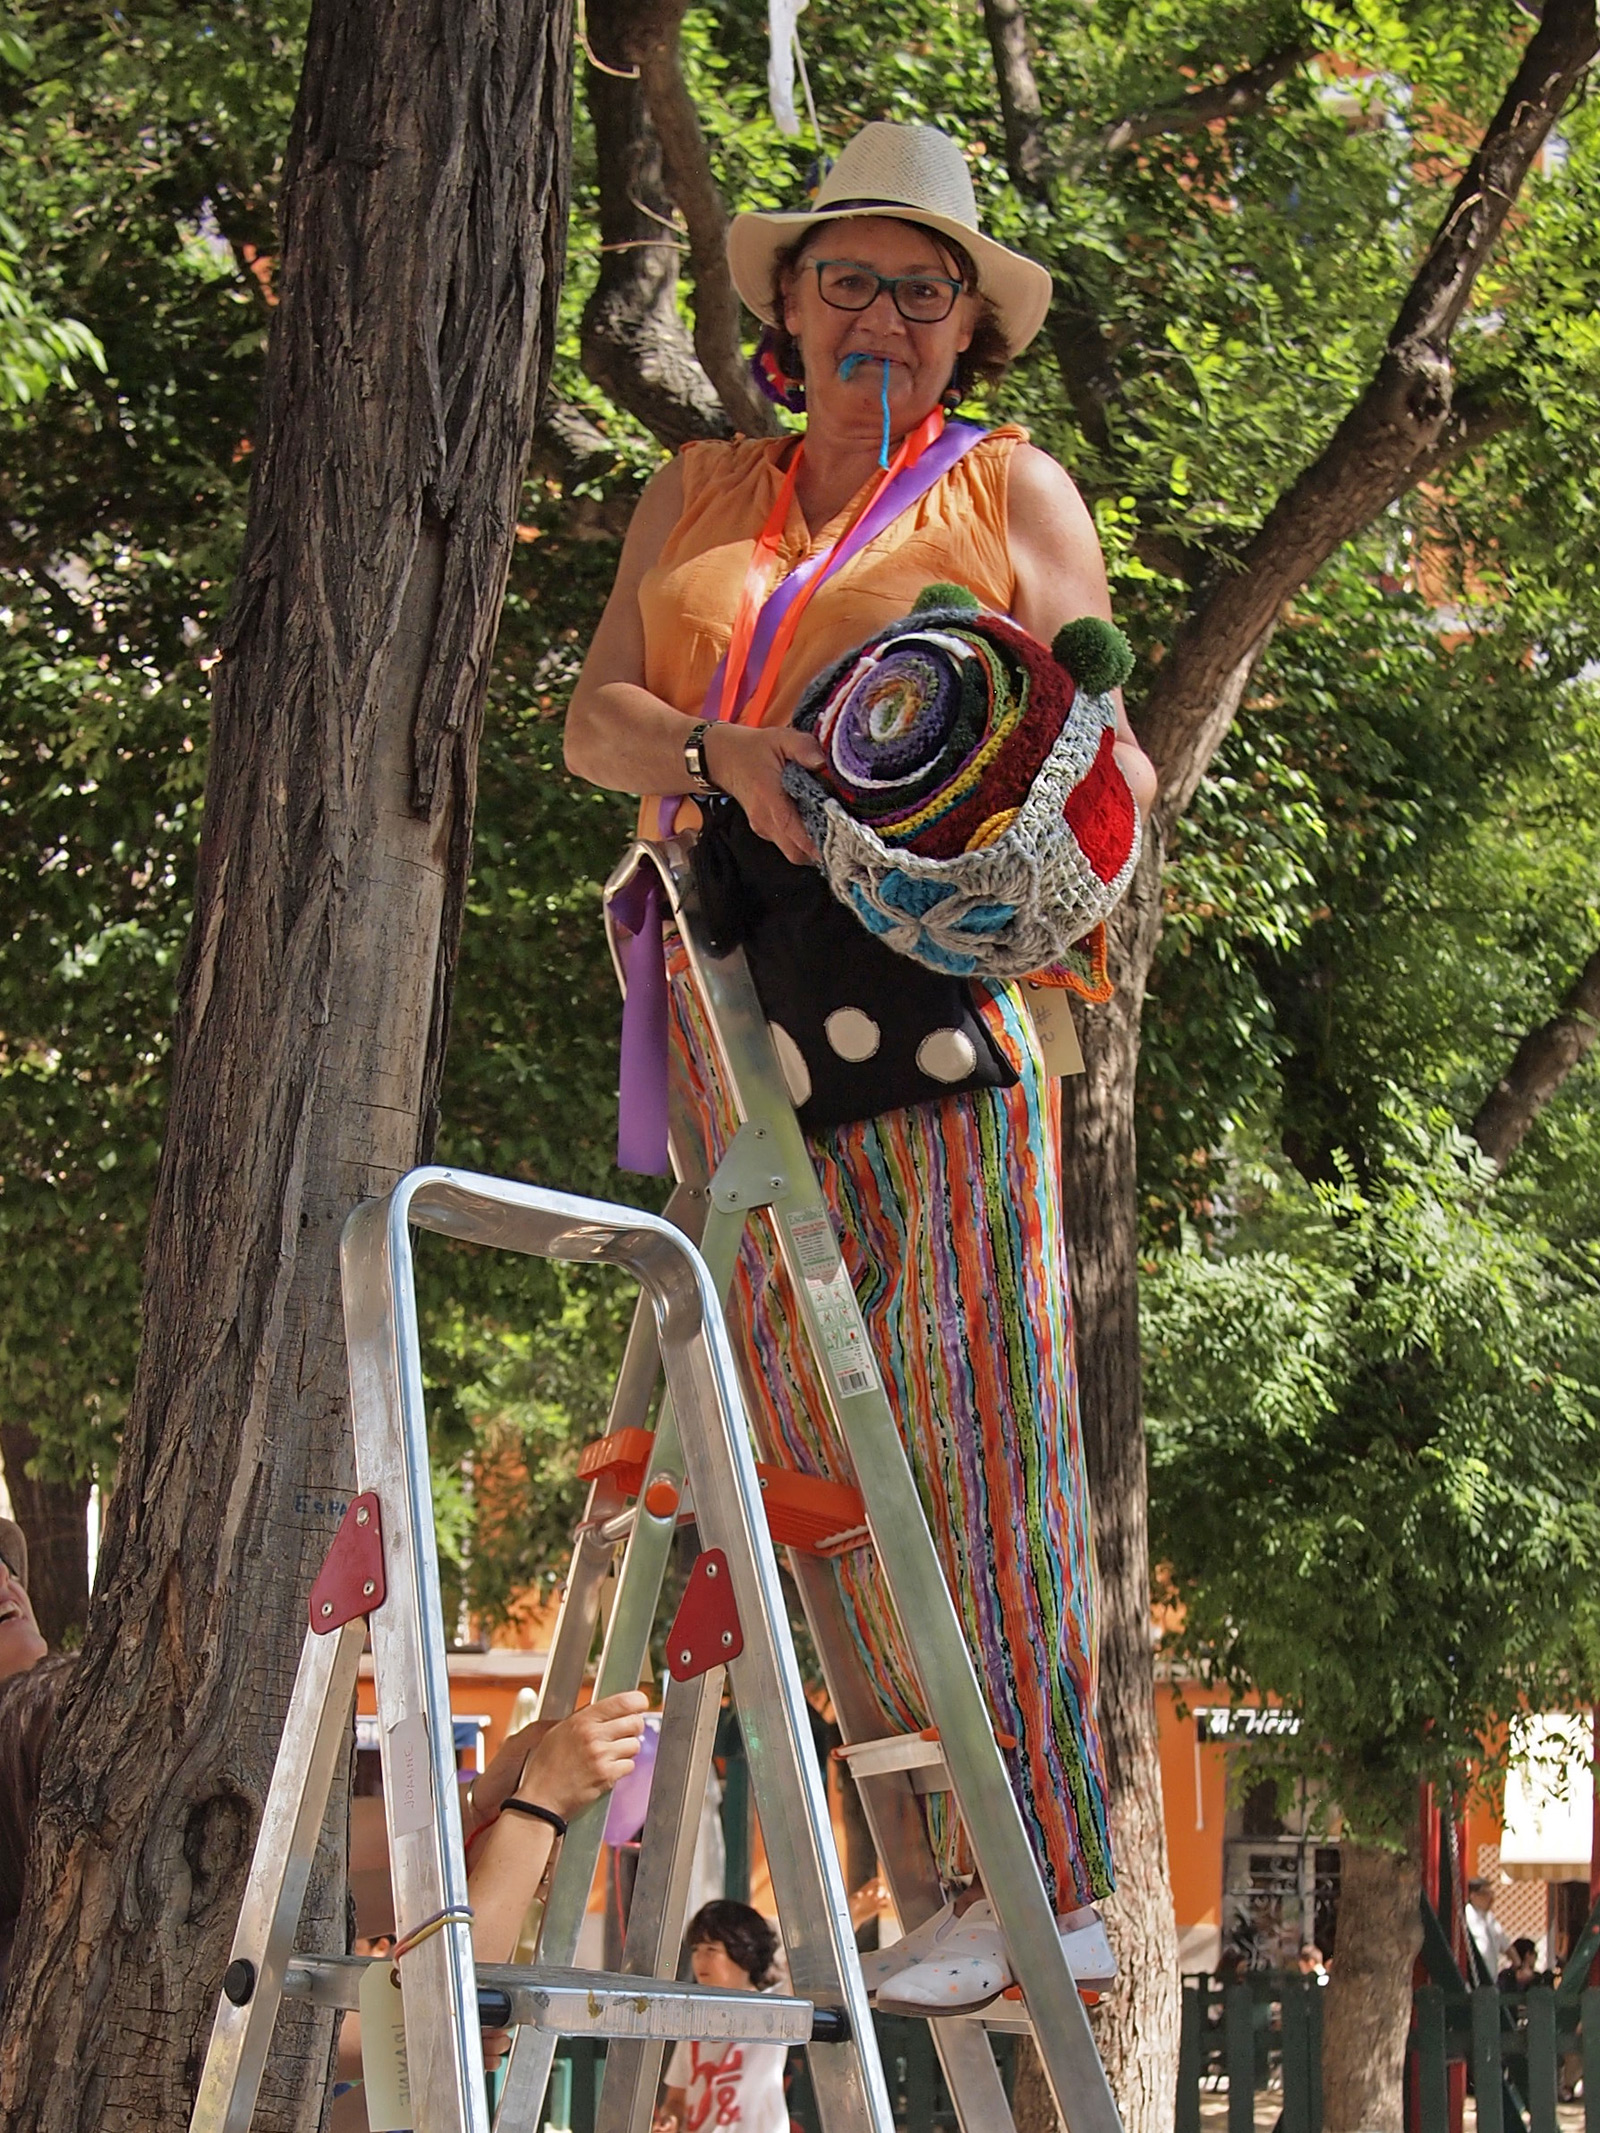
column 1060, row 575
column 621, row 736
column 571, row 1764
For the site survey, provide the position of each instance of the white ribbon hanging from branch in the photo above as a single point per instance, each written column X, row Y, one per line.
column 783, row 34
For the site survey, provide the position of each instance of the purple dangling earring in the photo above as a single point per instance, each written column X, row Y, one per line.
column 771, row 377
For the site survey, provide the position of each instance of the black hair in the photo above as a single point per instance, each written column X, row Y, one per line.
column 748, row 1938
column 986, row 357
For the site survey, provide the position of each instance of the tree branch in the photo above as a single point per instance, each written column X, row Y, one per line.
column 1392, row 434
column 653, row 46
column 1021, row 111
column 1192, row 112
column 1543, row 1060
column 635, row 345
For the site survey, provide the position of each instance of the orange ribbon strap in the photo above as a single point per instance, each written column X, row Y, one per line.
column 759, row 577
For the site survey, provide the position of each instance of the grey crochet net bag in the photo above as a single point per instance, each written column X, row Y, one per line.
column 971, row 811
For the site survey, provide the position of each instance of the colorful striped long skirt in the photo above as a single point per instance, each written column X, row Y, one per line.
column 949, row 1220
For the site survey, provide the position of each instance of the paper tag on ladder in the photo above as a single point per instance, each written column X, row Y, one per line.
column 833, row 1306
column 1053, row 1026
column 385, row 2077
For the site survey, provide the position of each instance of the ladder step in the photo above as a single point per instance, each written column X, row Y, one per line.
column 806, row 1512
column 920, row 1753
column 624, row 1454
column 593, row 2003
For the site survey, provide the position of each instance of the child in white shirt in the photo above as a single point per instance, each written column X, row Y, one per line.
column 713, row 2087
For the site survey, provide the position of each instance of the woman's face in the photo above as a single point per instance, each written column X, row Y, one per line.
column 920, row 357
column 21, row 1645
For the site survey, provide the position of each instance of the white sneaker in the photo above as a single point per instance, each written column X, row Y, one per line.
column 1087, row 1947
column 966, row 1966
column 878, row 1965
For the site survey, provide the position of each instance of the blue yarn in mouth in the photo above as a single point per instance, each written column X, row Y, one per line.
column 848, row 369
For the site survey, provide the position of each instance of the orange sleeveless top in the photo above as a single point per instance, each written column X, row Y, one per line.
column 956, row 534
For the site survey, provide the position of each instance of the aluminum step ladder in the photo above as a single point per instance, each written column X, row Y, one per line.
column 381, row 1574
column 767, row 1166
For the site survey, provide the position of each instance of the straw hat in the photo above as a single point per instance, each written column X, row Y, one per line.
column 916, row 174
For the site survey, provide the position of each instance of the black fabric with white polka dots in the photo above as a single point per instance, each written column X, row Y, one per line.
column 859, row 1030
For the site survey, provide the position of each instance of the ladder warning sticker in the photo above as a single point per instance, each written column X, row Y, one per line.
column 834, row 1307
column 407, row 1778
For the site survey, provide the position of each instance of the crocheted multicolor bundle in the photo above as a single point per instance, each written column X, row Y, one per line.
column 970, row 809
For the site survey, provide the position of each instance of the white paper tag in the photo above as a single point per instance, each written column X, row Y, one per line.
column 833, row 1303
column 407, row 1781
column 1053, row 1026
column 385, row 2078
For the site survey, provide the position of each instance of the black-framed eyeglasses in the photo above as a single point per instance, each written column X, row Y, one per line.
column 922, row 299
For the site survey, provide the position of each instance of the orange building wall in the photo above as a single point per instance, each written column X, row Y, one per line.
column 1194, row 1794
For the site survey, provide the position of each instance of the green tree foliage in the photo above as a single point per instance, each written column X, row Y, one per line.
column 1373, row 1452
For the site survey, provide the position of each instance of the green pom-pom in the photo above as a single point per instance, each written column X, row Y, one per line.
column 1094, row 653
column 946, row 597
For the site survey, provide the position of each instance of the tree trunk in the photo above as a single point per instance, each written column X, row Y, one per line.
column 1137, row 2024
column 1544, row 1059
column 52, row 1515
column 424, row 216
column 1369, row 1996
column 1033, row 2108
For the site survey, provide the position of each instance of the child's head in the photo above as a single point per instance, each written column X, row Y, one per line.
column 743, row 1935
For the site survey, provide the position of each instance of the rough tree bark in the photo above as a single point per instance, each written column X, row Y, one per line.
column 1137, row 2023
column 635, row 345
column 1404, row 427
column 1544, row 1059
column 52, row 1515
column 1367, row 2019
column 424, row 215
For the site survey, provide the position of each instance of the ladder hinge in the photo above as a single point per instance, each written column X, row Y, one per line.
column 350, row 1582
column 705, row 1631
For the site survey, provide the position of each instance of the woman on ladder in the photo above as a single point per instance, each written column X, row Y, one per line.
column 884, row 303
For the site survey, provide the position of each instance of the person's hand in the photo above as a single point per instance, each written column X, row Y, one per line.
column 747, row 762
column 496, row 2043
column 665, row 2121
column 491, row 1786
column 586, row 1754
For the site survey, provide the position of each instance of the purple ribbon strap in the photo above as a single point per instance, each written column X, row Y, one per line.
column 642, row 1085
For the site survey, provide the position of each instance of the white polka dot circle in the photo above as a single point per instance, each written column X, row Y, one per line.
column 796, row 1074
column 947, row 1055
column 852, row 1034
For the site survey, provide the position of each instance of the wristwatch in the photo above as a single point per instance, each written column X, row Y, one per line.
column 694, row 759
